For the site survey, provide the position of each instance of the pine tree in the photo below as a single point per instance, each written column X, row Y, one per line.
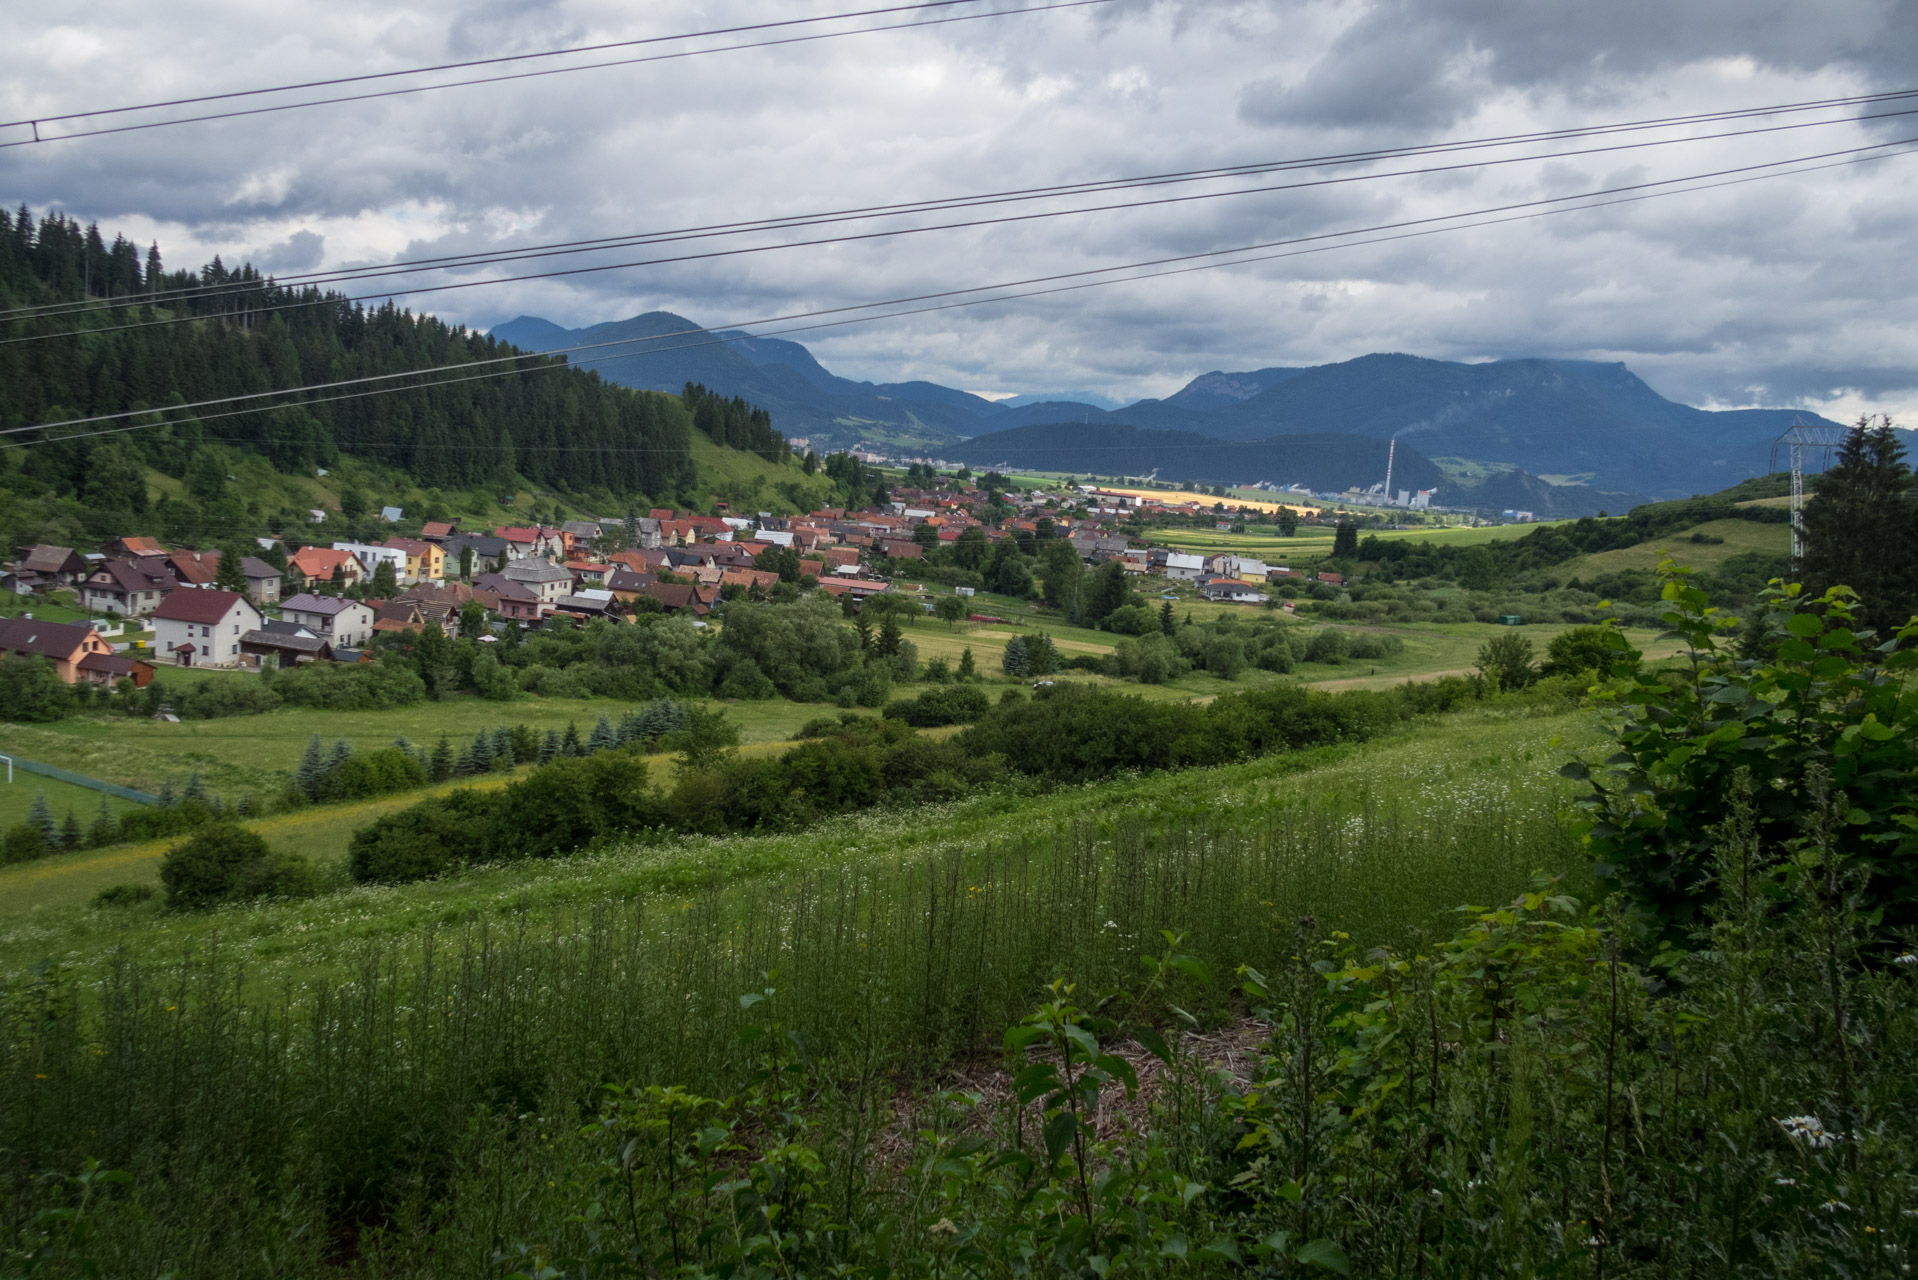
column 602, row 738
column 167, row 798
column 889, row 637
column 231, row 573
column 247, row 808
column 1041, row 657
column 40, row 818
column 402, row 744
column 104, row 830
column 1166, row 623
column 1861, row 528
column 569, row 745
column 1014, row 661
column 440, row 767
column 968, row 669
column 466, row 765
column 312, row 767
column 195, row 792
column 1345, row 540
column 71, row 834
column 549, row 747
column 481, row 751
column 503, row 750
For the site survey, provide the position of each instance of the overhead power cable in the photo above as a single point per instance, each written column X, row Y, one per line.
column 34, row 123
column 969, row 223
column 939, row 204
column 951, row 299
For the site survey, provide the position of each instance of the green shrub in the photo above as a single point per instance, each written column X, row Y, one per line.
column 1824, row 737
column 360, row 686
column 217, row 697
column 370, row 773
column 957, row 704
column 225, row 862
column 32, row 691
column 123, row 895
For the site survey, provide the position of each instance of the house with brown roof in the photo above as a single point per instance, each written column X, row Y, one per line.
column 439, row 528
column 512, row 600
column 203, row 628
column 399, row 615
column 128, row 588
column 62, row 565
column 133, row 548
column 262, row 580
column 194, row 568
column 66, row 644
column 677, row 597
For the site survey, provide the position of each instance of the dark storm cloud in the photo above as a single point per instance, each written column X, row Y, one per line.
column 1797, row 290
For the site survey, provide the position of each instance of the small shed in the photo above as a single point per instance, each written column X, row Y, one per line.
column 1510, row 620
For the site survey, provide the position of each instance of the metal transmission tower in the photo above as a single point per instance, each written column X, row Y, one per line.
column 1802, row 437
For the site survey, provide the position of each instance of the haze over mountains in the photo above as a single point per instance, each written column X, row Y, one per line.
column 1602, row 436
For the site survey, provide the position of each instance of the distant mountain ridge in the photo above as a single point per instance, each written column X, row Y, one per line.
column 1584, row 421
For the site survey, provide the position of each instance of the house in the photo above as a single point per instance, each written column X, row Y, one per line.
column 591, row 604
column 1183, row 567
column 1228, row 565
column 434, row 530
column 65, row 644
column 543, row 578
column 838, row 556
column 901, row 549
column 128, row 588
column 424, row 560
column 262, row 580
column 509, row 599
column 203, row 628
column 588, row 573
column 400, row 615
column 109, row 669
column 317, row 564
column 343, row 623
column 371, row 557
column 678, row 596
column 287, row 643
column 628, row 584
column 392, row 515
column 581, row 530
column 486, row 549
column 1335, row 579
column 133, row 548
column 1231, row 591
column 62, row 565
column 520, row 541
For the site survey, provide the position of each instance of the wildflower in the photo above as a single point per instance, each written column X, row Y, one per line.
column 1835, row 1206
column 1786, row 1182
column 1809, row 1130
column 943, row 1227
column 1112, row 924
column 1907, row 958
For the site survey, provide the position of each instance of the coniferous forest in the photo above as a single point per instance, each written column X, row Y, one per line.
column 221, row 331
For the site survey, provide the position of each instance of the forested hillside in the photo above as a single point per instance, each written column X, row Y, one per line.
column 223, row 331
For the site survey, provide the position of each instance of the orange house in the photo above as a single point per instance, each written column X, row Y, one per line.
column 66, row 644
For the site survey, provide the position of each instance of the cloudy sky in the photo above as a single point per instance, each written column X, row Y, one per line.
column 1798, row 290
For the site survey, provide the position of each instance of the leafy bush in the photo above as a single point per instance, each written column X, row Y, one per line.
column 225, row 862
column 1507, row 659
column 32, row 691
column 123, row 895
column 370, row 773
column 1823, row 736
column 958, row 704
column 359, row 686
column 223, row 696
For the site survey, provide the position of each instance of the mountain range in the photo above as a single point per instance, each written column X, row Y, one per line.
column 1599, row 435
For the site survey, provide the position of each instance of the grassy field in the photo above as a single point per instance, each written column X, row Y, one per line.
column 1315, row 542
column 1474, row 760
column 1740, row 536
column 16, row 799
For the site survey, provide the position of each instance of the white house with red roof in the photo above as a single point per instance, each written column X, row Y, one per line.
column 203, row 628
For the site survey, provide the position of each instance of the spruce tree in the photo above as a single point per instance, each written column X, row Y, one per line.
column 342, row 752
column 968, row 669
column 104, row 830
column 549, row 747
column 231, row 573
column 1345, row 540
column 1014, row 661
column 602, row 737
column 167, row 798
column 1166, row 623
column 440, row 767
column 195, row 792
column 247, row 808
column 1861, row 527
column 503, row 751
column 569, row 745
column 482, row 751
column 312, row 766
column 466, row 765
column 41, row 819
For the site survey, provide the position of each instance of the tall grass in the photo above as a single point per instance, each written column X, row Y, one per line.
column 296, row 1118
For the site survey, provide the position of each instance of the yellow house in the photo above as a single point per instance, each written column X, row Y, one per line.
column 425, row 561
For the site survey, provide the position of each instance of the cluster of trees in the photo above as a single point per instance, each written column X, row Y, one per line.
column 239, row 332
column 735, row 423
column 177, row 811
column 1065, row 734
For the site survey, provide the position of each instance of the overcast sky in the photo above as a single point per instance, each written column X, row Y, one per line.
column 1795, row 291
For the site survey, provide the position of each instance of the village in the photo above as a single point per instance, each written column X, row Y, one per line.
column 292, row 603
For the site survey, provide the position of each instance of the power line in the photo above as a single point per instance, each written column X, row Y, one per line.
column 970, row 223
column 1092, row 186
column 36, row 122
column 1407, row 229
